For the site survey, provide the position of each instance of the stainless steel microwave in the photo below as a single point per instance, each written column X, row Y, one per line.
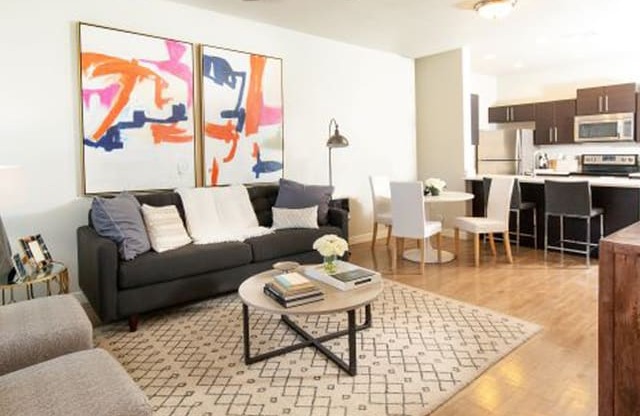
column 604, row 128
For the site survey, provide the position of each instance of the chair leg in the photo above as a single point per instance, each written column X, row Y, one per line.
column 492, row 244
column 401, row 246
column 394, row 254
column 561, row 238
column 476, row 249
column 546, row 235
column 588, row 240
column 439, row 243
column 535, row 228
column 375, row 235
column 421, row 248
column 456, row 238
column 517, row 231
column 389, row 228
column 507, row 245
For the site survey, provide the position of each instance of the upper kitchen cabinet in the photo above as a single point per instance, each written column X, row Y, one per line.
column 554, row 122
column 620, row 98
column 512, row 113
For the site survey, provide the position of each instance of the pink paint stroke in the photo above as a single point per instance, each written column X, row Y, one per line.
column 269, row 115
column 106, row 95
column 173, row 66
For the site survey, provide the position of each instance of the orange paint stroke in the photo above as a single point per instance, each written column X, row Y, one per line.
column 254, row 94
column 256, row 150
column 226, row 132
column 169, row 134
column 215, row 172
column 129, row 73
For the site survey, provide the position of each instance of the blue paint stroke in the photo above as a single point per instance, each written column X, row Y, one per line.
column 112, row 139
column 265, row 166
column 220, row 71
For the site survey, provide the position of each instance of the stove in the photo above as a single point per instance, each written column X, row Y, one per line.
column 609, row 165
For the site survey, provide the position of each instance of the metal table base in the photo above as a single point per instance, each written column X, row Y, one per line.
column 310, row 341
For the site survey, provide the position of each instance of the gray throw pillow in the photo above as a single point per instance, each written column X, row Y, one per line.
column 297, row 195
column 119, row 219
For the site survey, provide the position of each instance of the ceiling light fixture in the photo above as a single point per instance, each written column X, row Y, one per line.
column 494, row 9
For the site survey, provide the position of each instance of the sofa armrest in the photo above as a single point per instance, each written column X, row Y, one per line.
column 98, row 272
column 339, row 218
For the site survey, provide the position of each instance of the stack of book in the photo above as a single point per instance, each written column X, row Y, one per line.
column 347, row 276
column 292, row 289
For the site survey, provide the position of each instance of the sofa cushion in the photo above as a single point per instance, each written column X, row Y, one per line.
column 119, row 219
column 190, row 260
column 263, row 197
column 295, row 218
column 287, row 242
column 164, row 227
column 297, row 195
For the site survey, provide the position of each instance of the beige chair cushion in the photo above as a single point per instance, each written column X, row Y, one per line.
column 479, row 225
column 85, row 383
column 41, row 329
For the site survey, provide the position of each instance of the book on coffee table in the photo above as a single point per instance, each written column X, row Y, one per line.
column 347, row 276
column 298, row 299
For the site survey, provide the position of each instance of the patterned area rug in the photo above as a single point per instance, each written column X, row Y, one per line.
column 421, row 349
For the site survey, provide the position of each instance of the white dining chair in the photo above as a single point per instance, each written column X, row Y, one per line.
column 381, row 197
column 496, row 220
column 410, row 220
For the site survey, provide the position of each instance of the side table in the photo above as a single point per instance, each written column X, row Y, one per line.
column 56, row 272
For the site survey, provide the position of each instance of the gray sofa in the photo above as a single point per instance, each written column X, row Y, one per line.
column 120, row 289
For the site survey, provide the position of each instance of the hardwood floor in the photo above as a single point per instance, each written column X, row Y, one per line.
column 555, row 372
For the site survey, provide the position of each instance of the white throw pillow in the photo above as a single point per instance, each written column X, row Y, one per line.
column 295, row 218
column 164, row 227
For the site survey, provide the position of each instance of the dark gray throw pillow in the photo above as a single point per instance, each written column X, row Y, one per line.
column 297, row 195
column 119, row 219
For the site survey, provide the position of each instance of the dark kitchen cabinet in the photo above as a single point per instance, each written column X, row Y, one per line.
column 620, row 98
column 554, row 122
column 512, row 113
column 637, row 127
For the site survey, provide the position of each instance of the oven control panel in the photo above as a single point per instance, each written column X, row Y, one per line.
column 610, row 160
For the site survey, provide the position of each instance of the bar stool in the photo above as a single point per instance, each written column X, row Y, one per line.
column 517, row 206
column 570, row 200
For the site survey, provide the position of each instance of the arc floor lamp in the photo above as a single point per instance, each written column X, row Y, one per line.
column 336, row 140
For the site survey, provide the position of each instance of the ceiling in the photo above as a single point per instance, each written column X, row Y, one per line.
column 538, row 34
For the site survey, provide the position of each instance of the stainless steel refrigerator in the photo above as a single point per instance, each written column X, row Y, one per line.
column 508, row 151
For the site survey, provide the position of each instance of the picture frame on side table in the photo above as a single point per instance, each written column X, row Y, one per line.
column 21, row 269
column 36, row 251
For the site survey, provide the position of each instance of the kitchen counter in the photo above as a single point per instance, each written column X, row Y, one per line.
column 618, row 196
column 600, row 181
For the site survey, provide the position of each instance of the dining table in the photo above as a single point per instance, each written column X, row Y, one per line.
column 431, row 254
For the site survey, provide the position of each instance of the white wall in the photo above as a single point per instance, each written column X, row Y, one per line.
column 370, row 93
column 443, row 122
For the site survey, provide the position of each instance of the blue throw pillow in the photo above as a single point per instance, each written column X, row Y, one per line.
column 297, row 195
column 119, row 219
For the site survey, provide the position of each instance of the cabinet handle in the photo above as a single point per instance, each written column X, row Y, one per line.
column 508, row 114
column 606, row 103
column 512, row 117
column 550, row 134
column 600, row 104
column 555, row 133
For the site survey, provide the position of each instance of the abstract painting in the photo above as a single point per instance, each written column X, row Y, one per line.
column 137, row 111
column 242, row 117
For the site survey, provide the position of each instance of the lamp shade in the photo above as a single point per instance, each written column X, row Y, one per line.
column 336, row 139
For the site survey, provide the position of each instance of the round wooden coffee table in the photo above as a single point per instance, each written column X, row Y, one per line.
column 335, row 301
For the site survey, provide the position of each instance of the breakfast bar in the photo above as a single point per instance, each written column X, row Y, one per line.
column 618, row 196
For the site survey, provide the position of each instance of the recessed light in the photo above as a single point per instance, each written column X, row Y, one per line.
column 518, row 65
column 489, row 56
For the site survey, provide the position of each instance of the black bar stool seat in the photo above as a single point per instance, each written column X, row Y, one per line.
column 566, row 199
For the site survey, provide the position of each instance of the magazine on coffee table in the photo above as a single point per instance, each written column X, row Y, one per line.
column 347, row 276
